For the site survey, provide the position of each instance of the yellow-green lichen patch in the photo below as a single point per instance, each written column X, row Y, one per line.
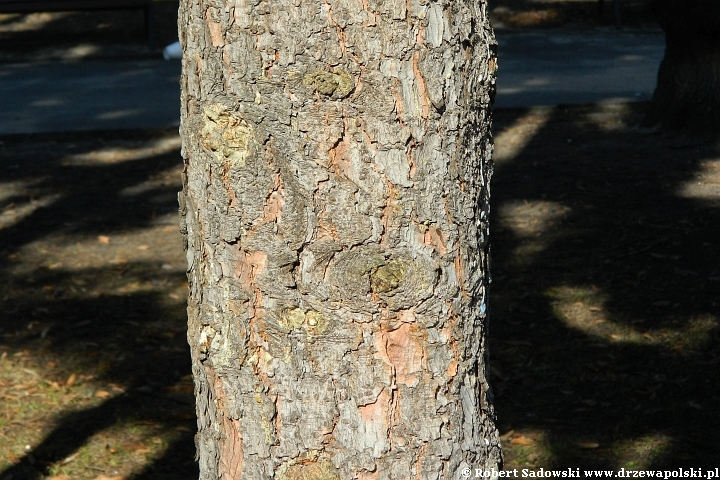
column 348, row 277
column 309, row 470
column 404, row 280
column 388, row 277
column 292, row 319
column 314, row 322
column 227, row 135
column 337, row 83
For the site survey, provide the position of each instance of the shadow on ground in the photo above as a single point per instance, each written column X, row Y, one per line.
column 93, row 289
column 86, row 34
column 604, row 330
column 575, row 14
column 606, row 267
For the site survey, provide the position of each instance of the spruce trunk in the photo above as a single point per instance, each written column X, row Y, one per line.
column 335, row 209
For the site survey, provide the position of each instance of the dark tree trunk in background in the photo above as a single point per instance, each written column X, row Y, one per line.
column 687, row 96
column 335, row 208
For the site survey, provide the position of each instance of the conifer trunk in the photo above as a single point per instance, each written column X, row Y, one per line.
column 335, row 207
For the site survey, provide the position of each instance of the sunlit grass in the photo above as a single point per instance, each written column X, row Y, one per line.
column 126, row 447
column 15, row 213
column 31, row 399
column 77, row 253
column 528, row 448
column 534, row 18
column 20, row 199
column 609, row 116
column 512, row 140
column 640, row 453
column 37, row 394
column 583, row 309
column 527, row 219
column 167, row 178
column 15, row 22
column 133, row 150
column 530, row 220
column 93, row 351
column 705, row 186
column 9, row 190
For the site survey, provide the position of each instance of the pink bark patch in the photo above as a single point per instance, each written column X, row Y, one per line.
column 377, row 412
column 273, row 206
column 433, row 238
column 248, row 267
column 340, row 158
column 403, row 352
column 422, row 90
column 231, row 451
column 216, row 34
column 232, row 460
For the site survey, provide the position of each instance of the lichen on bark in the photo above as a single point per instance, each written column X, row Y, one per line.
column 335, row 209
column 338, row 83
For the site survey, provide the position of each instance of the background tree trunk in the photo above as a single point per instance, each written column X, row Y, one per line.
column 335, row 207
column 687, row 96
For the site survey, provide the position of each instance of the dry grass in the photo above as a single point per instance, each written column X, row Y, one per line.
column 605, row 318
column 574, row 14
column 604, row 303
column 94, row 369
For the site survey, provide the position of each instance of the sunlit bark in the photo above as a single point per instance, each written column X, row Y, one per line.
column 335, row 206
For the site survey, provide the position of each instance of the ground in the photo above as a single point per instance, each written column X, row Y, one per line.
column 107, row 34
column 72, row 36
column 94, row 365
column 604, row 322
column 570, row 14
column 604, row 334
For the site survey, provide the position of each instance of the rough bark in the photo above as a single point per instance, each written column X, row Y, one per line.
column 687, row 96
column 335, row 207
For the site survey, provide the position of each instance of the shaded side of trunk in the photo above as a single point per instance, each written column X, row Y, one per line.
column 335, row 206
column 687, row 96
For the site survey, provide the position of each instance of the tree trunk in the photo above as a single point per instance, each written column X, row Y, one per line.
column 687, row 96
column 335, row 207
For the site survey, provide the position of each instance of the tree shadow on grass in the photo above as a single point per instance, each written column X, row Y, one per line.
column 604, row 328
column 93, row 281
column 606, row 268
column 538, row 14
column 78, row 34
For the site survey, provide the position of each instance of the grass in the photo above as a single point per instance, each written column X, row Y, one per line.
column 604, row 313
column 94, row 371
column 604, row 309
